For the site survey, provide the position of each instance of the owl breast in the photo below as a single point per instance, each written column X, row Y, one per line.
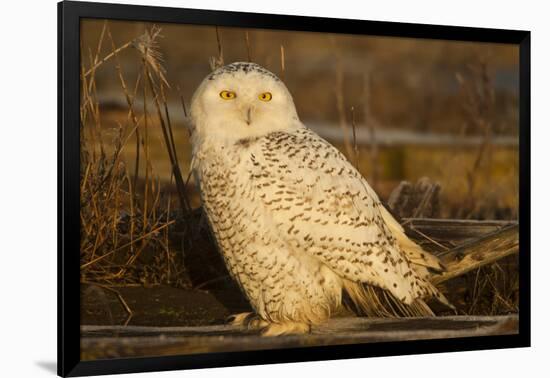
column 243, row 197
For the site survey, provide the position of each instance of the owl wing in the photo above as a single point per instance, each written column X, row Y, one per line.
column 321, row 205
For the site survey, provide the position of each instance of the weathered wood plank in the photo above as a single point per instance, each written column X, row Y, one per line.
column 455, row 230
column 479, row 252
column 119, row 341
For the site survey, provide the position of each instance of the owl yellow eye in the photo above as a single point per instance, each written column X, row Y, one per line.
column 228, row 95
column 266, row 96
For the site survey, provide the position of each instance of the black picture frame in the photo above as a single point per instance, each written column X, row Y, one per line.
column 69, row 15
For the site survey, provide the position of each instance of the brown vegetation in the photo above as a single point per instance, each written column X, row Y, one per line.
column 126, row 216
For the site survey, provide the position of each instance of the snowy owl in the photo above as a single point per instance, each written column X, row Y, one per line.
column 299, row 228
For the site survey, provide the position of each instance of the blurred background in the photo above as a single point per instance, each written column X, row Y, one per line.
column 441, row 111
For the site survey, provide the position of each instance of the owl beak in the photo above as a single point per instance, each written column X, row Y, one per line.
column 248, row 116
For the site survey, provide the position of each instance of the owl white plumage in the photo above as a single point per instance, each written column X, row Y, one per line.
column 299, row 228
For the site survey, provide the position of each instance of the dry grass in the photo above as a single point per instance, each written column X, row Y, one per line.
column 478, row 97
column 125, row 218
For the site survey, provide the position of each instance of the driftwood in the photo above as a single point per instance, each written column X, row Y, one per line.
column 420, row 199
column 479, row 242
column 479, row 252
column 455, row 231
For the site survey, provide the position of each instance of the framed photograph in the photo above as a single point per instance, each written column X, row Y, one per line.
column 240, row 188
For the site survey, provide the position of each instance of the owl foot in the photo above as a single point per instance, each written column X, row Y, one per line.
column 239, row 319
column 278, row 329
column 247, row 319
column 253, row 321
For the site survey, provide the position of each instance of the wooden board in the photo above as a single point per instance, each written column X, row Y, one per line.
column 118, row 341
column 451, row 231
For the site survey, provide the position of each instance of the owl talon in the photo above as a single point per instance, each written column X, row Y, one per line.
column 247, row 319
column 239, row 319
column 256, row 322
column 230, row 319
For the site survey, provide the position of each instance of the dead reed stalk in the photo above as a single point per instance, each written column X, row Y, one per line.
column 478, row 107
column 372, row 124
column 125, row 218
column 282, row 63
column 340, row 106
column 355, row 147
column 247, row 40
column 217, row 62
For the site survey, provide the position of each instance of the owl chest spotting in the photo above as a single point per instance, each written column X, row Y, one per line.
column 279, row 278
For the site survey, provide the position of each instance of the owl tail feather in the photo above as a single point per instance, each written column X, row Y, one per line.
column 367, row 300
column 423, row 261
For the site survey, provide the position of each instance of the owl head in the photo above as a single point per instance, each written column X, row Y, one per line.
column 241, row 100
